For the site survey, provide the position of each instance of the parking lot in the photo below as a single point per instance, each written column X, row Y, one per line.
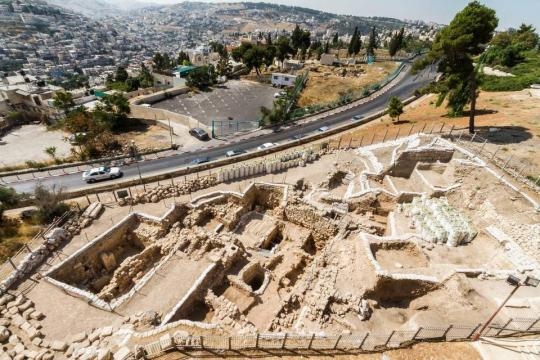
column 239, row 101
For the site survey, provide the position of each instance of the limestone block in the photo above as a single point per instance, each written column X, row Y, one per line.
column 108, row 260
column 4, row 334
column 104, row 354
column 77, row 337
column 106, row 331
column 58, row 345
column 122, row 354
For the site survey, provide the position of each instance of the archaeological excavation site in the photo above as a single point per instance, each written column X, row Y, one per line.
column 361, row 248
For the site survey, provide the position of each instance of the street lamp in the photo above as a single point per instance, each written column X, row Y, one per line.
column 516, row 283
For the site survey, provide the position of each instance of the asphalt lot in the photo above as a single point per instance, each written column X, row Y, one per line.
column 237, row 100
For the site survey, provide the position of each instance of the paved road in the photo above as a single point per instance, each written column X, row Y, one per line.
column 404, row 89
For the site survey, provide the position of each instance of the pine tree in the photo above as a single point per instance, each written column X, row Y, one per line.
column 372, row 42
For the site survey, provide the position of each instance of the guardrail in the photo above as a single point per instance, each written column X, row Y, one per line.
column 360, row 343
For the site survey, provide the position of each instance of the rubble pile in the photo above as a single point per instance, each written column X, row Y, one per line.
column 168, row 191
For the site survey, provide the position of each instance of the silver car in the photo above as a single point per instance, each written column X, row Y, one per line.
column 101, row 173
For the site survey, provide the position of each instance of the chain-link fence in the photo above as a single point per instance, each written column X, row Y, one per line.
column 362, row 342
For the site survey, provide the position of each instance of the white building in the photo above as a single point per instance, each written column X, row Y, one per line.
column 283, row 80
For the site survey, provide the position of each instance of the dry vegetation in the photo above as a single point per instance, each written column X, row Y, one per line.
column 322, row 78
column 515, row 113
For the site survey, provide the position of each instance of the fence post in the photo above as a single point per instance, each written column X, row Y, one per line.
column 361, row 139
column 431, row 131
column 416, row 333
column 12, row 263
column 389, row 338
column 447, row 330
column 339, row 143
column 284, row 341
column 114, row 194
column 442, row 127
column 460, row 135
column 397, row 135
column 421, row 131
column 473, row 136
column 257, row 341
column 495, row 153
column 507, row 161
column 372, row 138
column 482, row 148
column 473, row 331
column 350, row 142
column 311, row 341
column 503, row 327
column 363, row 341
column 201, row 339
column 534, row 323
column 337, row 341
column 229, row 343
column 452, row 129
column 410, row 130
column 523, row 168
column 88, row 199
column 384, row 137
column 98, row 199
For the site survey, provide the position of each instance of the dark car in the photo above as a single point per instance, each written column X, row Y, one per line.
column 298, row 136
column 199, row 134
column 357, row 117
column 200, row 160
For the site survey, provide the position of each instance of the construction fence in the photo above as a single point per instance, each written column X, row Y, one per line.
column 363, row 342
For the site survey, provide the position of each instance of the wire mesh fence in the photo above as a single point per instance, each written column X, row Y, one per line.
column 360, row 342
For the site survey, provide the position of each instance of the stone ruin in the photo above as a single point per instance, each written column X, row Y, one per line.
column 336, row 256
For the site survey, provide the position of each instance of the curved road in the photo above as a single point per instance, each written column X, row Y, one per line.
column 404, row 89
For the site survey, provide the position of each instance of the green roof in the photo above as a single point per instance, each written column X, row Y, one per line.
column 184, row 70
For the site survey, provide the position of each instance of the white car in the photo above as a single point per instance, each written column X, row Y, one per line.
column 101, row 173
column 266, row 146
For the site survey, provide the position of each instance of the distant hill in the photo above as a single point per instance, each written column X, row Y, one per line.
column 100, row 8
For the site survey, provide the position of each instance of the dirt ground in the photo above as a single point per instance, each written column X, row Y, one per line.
column 516, row 114
column 322, row 78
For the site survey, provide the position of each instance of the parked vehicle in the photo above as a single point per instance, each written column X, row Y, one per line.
column 199, row 134
column 235, row 152
column 200, row 160
column 357, row 117
column 266, row 146
column 298, row 136
column 101, row 173
column 323, row 128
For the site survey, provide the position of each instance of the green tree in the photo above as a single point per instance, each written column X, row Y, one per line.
column 8, row 199
column 526, row 37
column 395, row 108
column 296, row 38
column 355, row 44
column 49, row 203
column 159, row 62
column 114, row 110
column 335, row 40
column 223, row 66
column 396, row 42
column 63, row 100
column 121, row 74
column 283, row 49
column 455, row 46
column 145, row 78
column 202, row 77
column 183, row 57
column 372, row 42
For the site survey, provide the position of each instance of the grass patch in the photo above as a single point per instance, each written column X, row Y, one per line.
column 14, row 234
column 526, row 74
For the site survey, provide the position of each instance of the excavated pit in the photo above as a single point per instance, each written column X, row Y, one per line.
column 399, row 255
column 398, row 293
